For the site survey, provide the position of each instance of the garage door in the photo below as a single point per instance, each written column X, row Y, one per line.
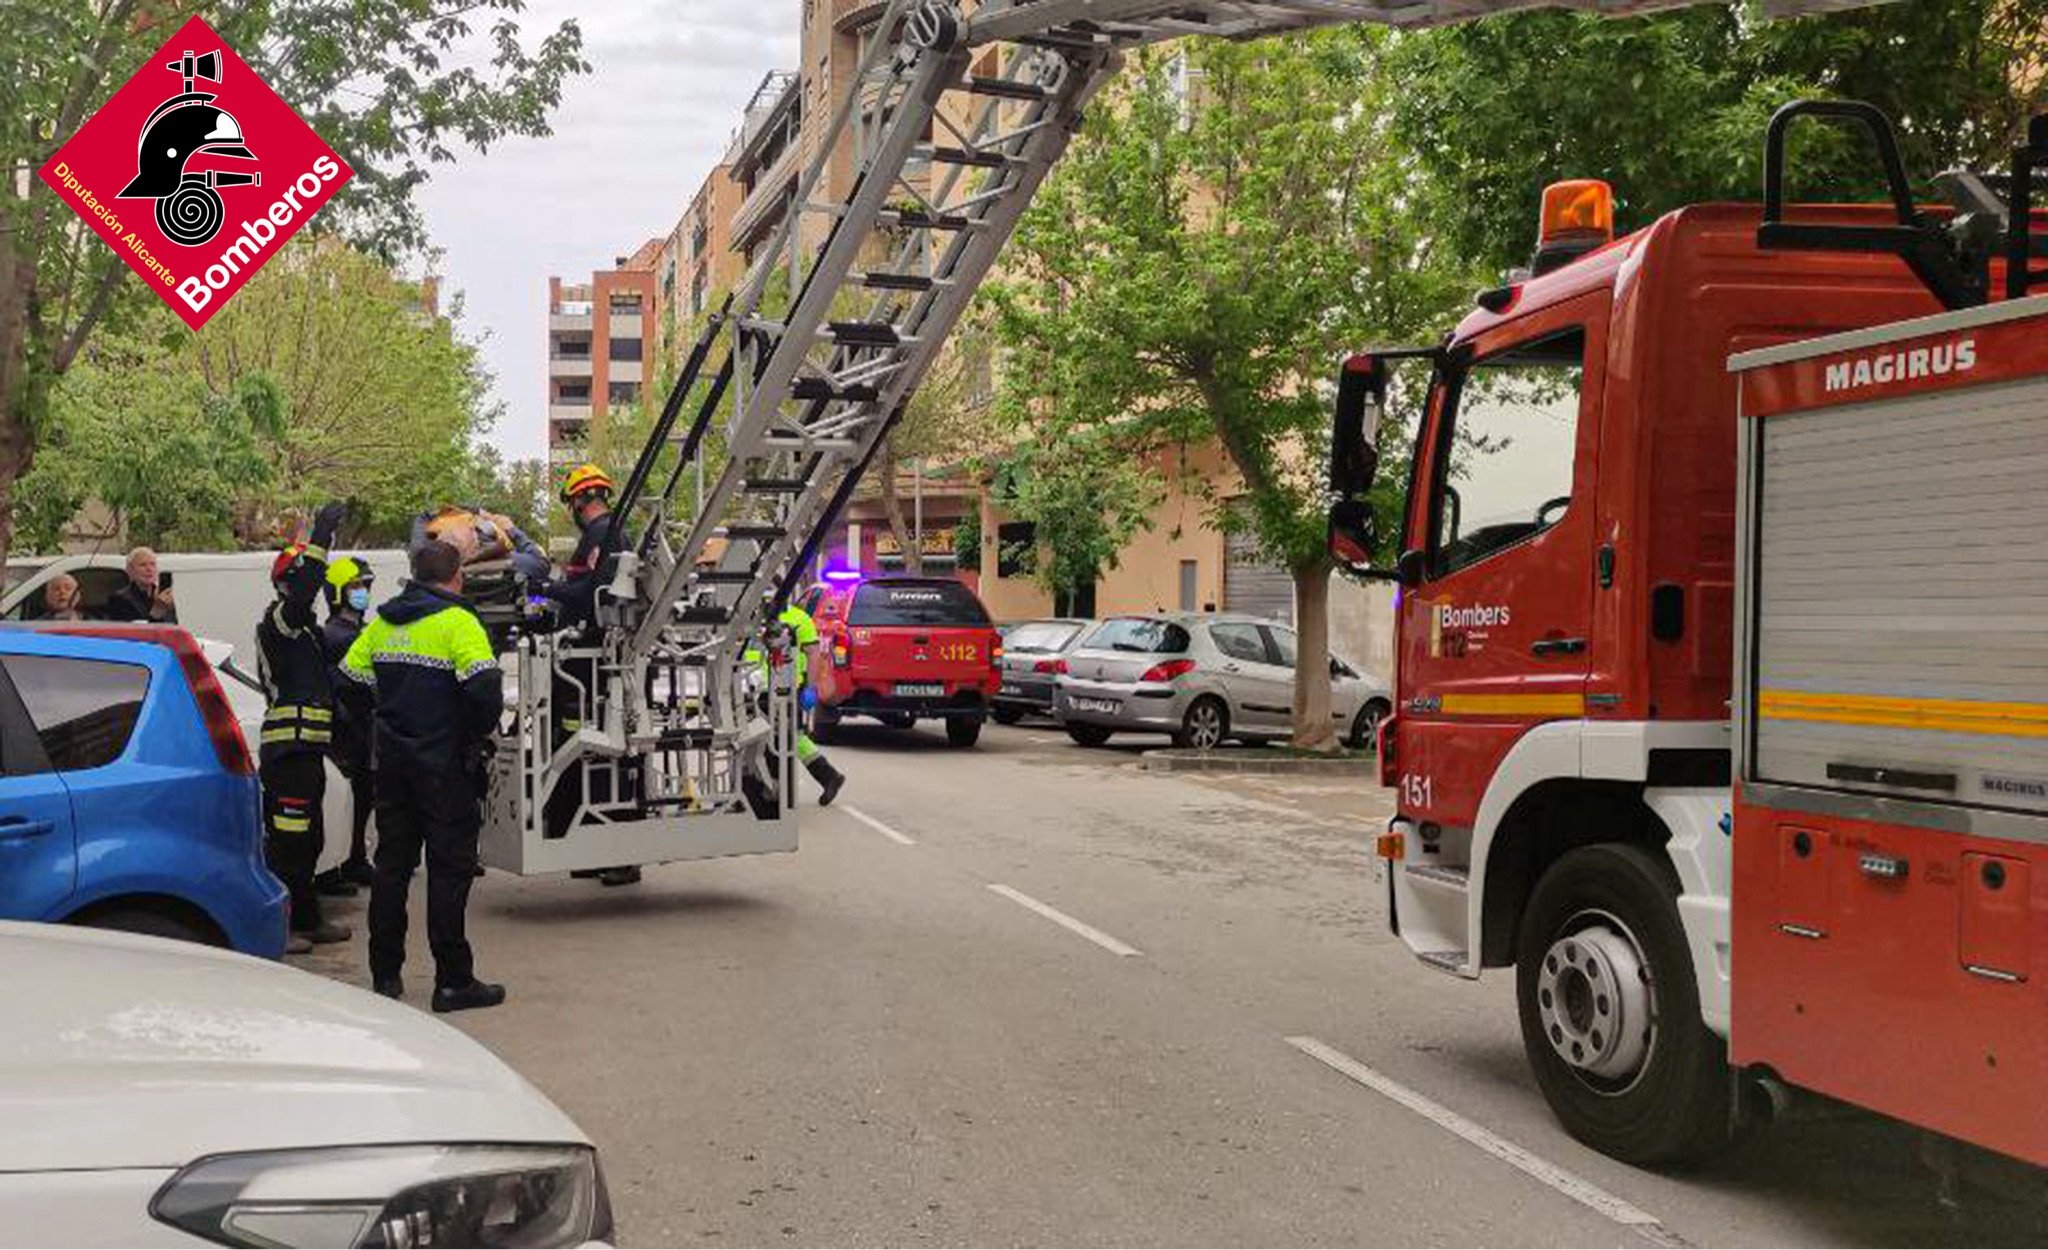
column 1253, row 586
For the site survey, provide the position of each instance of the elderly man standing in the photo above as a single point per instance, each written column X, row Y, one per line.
column 146, row 597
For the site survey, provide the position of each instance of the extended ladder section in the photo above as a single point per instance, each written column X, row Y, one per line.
column 662, row 740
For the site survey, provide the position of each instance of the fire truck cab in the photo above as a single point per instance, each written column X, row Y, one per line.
column 1562, row 749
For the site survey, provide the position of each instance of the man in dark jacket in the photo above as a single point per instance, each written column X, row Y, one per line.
column 144, row 596
column 349, row 583
column 298, row 728
column 428, row 669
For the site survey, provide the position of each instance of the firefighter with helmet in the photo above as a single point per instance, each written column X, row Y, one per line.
column 803, row 632
column 298, row 728
column 587, row 492
column 349, row 586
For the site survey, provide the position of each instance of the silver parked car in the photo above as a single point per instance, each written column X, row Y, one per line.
column 1202, row 679
column 1032, row 666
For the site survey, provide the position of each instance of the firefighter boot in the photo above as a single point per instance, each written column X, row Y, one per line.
column 829, row 779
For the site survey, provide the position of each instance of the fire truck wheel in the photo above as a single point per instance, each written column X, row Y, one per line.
column 1611, row 1015
column 963, row 731
column 824, row 724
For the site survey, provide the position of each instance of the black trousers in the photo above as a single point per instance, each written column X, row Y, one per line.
column 294, row 789
column 438, row 814
column 362, row 784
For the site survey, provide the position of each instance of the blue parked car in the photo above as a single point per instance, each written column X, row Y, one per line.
column 128, row 799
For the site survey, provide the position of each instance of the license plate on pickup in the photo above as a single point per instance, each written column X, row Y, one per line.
column 920, row 690
column 1108, row 706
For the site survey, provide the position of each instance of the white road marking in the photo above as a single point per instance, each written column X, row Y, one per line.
column 876, row 825
column 1065, row 921
column 1578, row 1189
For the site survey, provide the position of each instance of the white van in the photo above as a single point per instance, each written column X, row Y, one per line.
column 220, row 595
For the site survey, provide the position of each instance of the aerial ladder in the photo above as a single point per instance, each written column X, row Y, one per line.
column 654, row 738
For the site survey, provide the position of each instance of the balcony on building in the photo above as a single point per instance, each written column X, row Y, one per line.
column 766, row 158
column 572, row 311
column 569, row 355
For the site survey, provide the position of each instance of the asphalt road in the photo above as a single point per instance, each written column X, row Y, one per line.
column 1030, row 994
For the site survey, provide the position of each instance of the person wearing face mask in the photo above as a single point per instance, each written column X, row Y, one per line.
column 587, row 492
column 349, row 585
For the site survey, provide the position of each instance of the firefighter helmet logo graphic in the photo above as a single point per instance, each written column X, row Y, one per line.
column 228, row 172
column 188, row 204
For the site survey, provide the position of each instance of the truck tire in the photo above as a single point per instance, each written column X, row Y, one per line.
column 1610, row 1012
column 963, row 731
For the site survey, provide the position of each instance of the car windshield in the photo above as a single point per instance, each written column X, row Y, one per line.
column 916, row 603
column 1041, row 637
column 1140, row 634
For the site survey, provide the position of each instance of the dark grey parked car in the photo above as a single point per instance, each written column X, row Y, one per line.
column 1202, row 679
column 1032, row 666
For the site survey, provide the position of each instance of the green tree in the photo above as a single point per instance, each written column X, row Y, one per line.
column 186, row 483
column 385, row 399
column 1201, row 261
column 386, row 82
column 1671, row 108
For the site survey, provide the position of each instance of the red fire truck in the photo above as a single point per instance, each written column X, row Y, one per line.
column 1723, row 688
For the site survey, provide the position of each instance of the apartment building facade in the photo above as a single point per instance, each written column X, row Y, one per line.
column 603, row 347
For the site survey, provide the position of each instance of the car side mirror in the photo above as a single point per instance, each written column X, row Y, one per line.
column 1362, row 387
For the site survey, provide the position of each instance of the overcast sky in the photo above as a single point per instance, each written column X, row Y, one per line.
column 633, row 141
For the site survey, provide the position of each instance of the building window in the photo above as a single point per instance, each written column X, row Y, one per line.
column 623, row 393
column 625, row 349
column 573, row 349
column 1016, row 548
column 625, row 303
column 577, row 392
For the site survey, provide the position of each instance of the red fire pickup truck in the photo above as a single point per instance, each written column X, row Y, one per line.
column 901, row 649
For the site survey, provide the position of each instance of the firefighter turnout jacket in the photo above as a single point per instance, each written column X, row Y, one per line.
column 576, row 590
column 428, row 666
column 292, row 660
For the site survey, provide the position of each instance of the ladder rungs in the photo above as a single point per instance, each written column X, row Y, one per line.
column 973, row 160
column 918, row 219
column 1007, row 89
column 898, row 281
column 726, row 577
column 814, row 389
column 753, row 533
column 864, row 334
column 777, row 485
column 1064, row 40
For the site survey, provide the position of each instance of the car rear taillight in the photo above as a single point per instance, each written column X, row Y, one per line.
column 1169, row 671
column 995, row 653
column 1057, row 668
column 1389, row 739
column 214, row 709
column 842, row 652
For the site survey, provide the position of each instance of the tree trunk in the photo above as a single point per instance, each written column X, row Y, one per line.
column 892, row 509
column 17, row 281
column 1313, row 730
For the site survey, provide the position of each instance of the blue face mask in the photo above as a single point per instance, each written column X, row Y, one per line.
column 359, row 598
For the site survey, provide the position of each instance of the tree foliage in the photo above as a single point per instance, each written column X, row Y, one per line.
column 1198, row 265
column 1671, row 109
column 394, row 85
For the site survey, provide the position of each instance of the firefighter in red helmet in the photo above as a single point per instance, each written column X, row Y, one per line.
column 298, row 728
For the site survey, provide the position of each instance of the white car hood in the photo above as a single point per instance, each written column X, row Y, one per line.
column 126, row 1052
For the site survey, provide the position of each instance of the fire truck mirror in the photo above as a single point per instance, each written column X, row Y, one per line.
column 1354, row 441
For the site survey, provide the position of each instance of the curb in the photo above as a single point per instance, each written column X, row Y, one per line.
column 1255, row 762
